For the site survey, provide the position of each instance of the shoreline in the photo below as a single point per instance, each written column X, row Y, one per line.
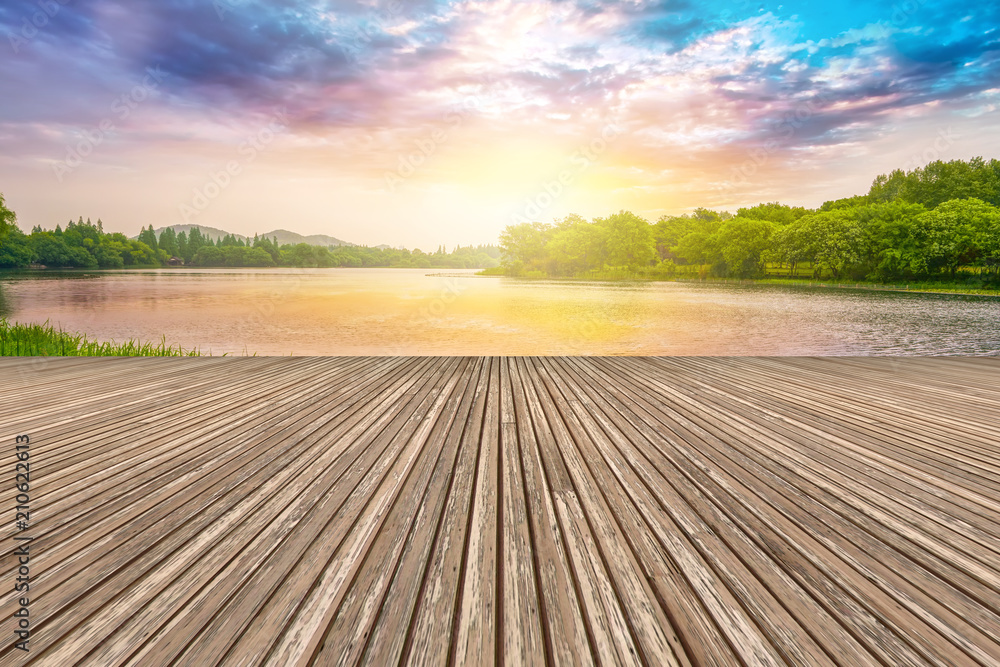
column 778, row 282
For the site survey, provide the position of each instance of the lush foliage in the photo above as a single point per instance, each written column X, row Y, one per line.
column 8, row 219
column 940, row 221
column 81, row 245
column 42, row 340
column 261, row 251
column 85, row 245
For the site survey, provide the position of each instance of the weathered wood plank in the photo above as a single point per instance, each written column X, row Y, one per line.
column 563, row 620
column 521, row 639
column 365, row 510
column 476, row 625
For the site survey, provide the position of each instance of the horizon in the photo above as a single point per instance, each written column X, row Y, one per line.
column 444, row 122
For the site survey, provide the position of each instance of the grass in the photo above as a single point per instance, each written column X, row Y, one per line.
column 43, row 340
column 802, row 279
column 912, row 286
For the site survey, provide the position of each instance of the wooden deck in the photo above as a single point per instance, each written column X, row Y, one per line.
column 660, row 511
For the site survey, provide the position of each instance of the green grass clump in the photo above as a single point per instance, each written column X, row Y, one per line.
column 42, row 340
column 937, row 287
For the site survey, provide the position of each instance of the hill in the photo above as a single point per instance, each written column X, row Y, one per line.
column 208, row 232
column 284, row 236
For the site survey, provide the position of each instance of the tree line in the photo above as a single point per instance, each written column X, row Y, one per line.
column 929, row 223
column 85, row 245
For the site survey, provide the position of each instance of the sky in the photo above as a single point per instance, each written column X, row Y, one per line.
column 432, row 122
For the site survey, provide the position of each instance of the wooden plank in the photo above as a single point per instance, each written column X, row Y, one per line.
column 643, row 636
column 563, row 624
column 606, row 626
column 387, row 643
column 70, row 556
column 197, row 556
column 294, row 622
column 477, row 619
column 433, row 624
column 349, row 631
column 521, row 639
column 509, row 510
column 894, row 601
column 266, row 605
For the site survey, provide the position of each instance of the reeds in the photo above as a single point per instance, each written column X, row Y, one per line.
column 43, row 340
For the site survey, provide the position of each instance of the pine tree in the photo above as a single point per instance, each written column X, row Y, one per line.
column 168, row 241
column 148, row 236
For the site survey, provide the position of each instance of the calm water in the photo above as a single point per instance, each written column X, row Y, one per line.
column 393, row 311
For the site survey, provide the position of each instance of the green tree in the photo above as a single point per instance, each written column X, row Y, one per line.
column 791, row 245
column 168, row 242
column 742, row 243
column 15, row 249
column 887, row 187
column 775, row 212
column 209, row 256
column 939, row 182
column 269, row 247
column 183, row 249
column 894, row 243
column 8, row 219
column 837, row 241
column 958, row 232
column 53, row 251
column 846, row 202
column 522, row 247
column 148, row 236
column 669, row 230
column 576, row 248
column 109, row 256
column 196, row 241
column 629, row 240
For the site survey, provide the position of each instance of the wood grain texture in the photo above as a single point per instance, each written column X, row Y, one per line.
column 506, row 510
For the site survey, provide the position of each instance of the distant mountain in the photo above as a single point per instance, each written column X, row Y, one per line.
column 284, row 236
column 209, row 232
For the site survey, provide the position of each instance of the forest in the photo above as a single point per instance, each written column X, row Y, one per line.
column 85, row 245
column 938, row 222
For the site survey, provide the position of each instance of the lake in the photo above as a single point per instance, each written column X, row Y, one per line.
column 429, row 312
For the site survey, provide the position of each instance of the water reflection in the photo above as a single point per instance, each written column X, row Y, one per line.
column 383, row 311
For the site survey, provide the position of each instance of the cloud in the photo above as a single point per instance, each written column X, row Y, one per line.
column 362, row 81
